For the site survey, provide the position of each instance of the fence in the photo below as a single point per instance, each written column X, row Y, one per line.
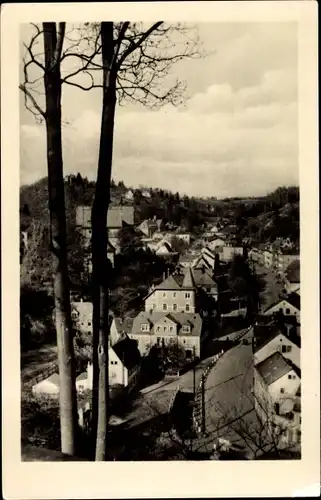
column 52, row 368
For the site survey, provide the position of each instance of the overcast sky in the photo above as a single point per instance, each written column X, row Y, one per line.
column 235, row 136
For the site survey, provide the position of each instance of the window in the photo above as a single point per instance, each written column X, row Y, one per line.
column 144, row 327
column 174, row 307
column 186, row 328
column 154, row 306
column 284, row 348
column 89, row 324
column 187, row 295
column 164, row 307
column 281, row 310
column 287, row 311
column 289, row 377
column 282, row 390
column 115, row 362
column 164, row 294
column 158, row 329
column 165, row 328
column 187, row 307
column 171, row 328
column 277, row 408
column 174, row 294
column 111, row 362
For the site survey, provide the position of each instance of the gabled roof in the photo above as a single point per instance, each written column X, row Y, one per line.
column 203, row 278
column 273, row 368
column 263, row 341
column 54, row 379
column 293, row 299
column 181, row 318
column 170, row 283
column 82, row 376
column 188, row 281
column 123, row 326
column 127, row 351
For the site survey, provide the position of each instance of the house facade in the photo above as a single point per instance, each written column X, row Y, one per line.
column 172, row 296
column 161, row 329
column 278, row 342
column 289, row 306
column 277, row 400
column 124, row 363
column 227, row 253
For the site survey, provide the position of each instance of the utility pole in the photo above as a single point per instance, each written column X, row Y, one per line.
column 203, row 404
column 194, row 374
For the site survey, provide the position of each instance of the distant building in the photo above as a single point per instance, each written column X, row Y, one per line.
column 129, row 195
column 124, row 363
column 227, row 253
column 82, row 316
column 148, row 227
column 164, row 249
column 146, row 194
column 49, row 386
column 283, row 260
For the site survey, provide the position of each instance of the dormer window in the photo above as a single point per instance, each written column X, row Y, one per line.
column 145, row 327
column 186, row 329
column 187, row 295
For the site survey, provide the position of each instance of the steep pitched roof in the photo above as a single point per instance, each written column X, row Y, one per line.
column 295, row 300
column 262, row 341
column 170, row 283
column 54, row 379
column 292, row 299
column 123, row 326
column 127, row 351
column 194, row 320
column 82, row 376
column 203, row 278
column 188, row 281
column 273, row 368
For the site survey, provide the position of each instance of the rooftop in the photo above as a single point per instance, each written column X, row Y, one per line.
column 127, row 351
column 273, row 368
column 181, row 318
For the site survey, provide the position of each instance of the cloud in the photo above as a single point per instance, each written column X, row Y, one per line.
column 237, row 135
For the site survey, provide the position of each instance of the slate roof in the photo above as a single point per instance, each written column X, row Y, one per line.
column 123, row 326
column 192, row 319
column 203, row 278
column 273, row 368
column 188, row 281
column 54, row 379
column 128, row 352
column 82, row 376
column 293, row 299
column 262, row 341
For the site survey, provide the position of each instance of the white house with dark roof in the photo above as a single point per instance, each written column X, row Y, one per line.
column 124, row 363
column 277, row 342
column 287, row 306
column 277, row 393
column 159, row 328
column 175, row 294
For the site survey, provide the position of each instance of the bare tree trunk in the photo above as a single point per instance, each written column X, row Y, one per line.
column 68, row 401
column 102, row 268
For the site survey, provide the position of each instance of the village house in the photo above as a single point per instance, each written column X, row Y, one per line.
column 174, row 294
column 160, row 328
column 164, row 249
column 184, row 236
column 287, row 306
column 185, row 260
column 124, row 363
column 148, row 227
column 227, row 252
column 277, row 389
column 82, row 316
column 216, row 244
column 204, row 280
column 277, row 342
column 118, row 216
column 119, row 329
column 129, row 195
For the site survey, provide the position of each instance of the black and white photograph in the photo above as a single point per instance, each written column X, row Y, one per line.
column 161, row 248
